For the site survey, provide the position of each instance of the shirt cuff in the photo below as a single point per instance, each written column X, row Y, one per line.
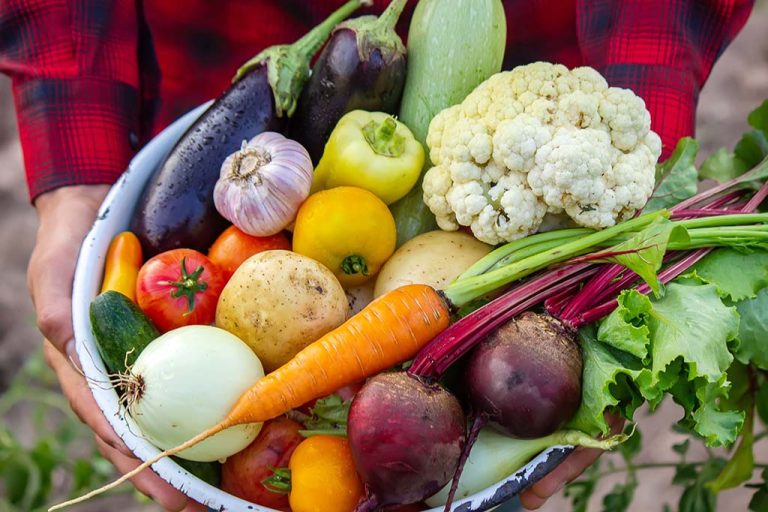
column 75, row 131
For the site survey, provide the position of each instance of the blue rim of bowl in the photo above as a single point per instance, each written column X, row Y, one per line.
column 86, row 286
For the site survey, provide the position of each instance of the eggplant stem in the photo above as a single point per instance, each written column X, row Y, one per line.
column 310, row 42
column 288, row 65
column 388, row 19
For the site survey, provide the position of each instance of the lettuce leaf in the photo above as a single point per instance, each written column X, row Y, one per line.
column 607, row 384
column 752, row 347
column 737, row 275
column 678, row 344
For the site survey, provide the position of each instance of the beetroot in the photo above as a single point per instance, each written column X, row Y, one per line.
column 406, row 438
column 526, row 376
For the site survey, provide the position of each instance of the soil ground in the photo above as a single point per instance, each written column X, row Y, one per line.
column 738, row 83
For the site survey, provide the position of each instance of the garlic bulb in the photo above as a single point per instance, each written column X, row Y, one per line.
column 262, row 185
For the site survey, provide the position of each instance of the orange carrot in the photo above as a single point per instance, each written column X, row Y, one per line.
column 390, row 330
column 121, row 267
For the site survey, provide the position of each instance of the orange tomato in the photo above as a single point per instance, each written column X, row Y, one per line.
column 234, row 247
column 347, row 229
column 323, row 476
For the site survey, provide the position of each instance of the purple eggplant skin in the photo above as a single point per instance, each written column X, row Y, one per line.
column 176, row 208
column 342, row 81
column 362, row 67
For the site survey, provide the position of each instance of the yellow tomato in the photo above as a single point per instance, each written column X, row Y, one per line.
column 347, row 229
column 323, row 476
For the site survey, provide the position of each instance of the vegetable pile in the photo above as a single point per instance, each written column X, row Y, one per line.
column 256, row 348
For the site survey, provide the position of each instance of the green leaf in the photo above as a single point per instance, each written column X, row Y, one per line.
column 601, row 383
column 697, row 497
column 676, row 177
column 620, row 497
column 759, row 501
column 751, row 148
column 626, row 328
column 685, row 474
column 328, row 414
column 643, row 253
column 692, row 322
column 742, row 462
column 682, row 447
column 722, row 166
column 752, row 347
column 758, row 118
column 717, row 427
column 688, row 331
column 737, row 275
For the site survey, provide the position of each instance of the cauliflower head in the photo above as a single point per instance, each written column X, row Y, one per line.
column 540, row 139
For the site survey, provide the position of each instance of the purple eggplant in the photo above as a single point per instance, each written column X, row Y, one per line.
column 362, row 67
column 176, row 208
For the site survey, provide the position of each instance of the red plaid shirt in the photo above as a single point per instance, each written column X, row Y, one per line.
column 95, row 79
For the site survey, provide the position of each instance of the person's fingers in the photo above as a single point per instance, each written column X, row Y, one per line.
column 65, row 215
column 573, row 465
column 76, row 389
column 568, row 470
column 147, row 482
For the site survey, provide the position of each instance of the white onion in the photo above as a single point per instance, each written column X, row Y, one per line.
column 261, row 186
column 185, row 382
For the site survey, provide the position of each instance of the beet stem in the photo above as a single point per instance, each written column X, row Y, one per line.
column 448, row 346
column 478, row 422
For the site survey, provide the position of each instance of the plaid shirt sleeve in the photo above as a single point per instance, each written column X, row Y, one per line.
column 662, row 49
column 75, row 81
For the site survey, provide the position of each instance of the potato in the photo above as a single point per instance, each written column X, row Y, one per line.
column 279, row 302
column 435, row 258
column 359, row 297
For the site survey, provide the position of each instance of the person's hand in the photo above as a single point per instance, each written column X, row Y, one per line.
column 568, row 470
column 64, row 217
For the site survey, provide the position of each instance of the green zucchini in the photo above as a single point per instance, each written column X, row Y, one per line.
column 453, row 46
column 121, row 330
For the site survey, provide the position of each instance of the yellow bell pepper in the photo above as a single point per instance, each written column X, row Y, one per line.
column 370, row 150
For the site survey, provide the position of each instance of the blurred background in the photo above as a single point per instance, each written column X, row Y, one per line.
column 45, row 452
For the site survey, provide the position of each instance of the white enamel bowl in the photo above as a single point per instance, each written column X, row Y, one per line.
column 113, row 218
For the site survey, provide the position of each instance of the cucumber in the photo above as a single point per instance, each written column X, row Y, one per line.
column 208, row 472
column 453, row 46
column 121, row 329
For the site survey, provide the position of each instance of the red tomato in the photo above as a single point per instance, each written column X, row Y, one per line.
column 234, row 247
column 243, row 474
column 179, row 287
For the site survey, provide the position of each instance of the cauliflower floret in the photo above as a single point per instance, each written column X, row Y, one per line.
column 539, row 140
column 516, row 142
column 513, row 212
column 627, row 116
column 570, row 168
column 437, row 183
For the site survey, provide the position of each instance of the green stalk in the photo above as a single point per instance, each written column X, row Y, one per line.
column 522, row 248
column 737, row 219
column 463, row 291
